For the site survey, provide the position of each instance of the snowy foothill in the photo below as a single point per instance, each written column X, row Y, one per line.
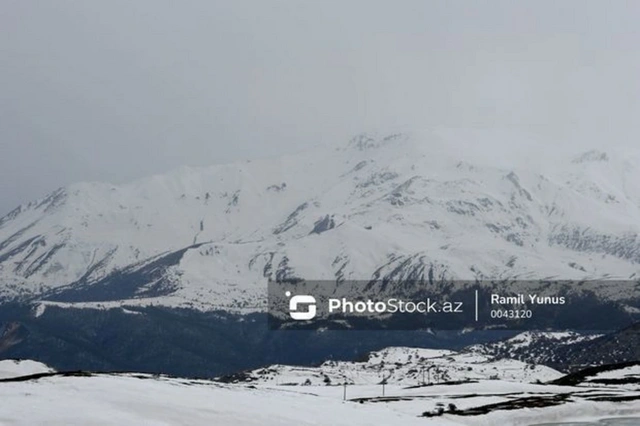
column 16, row 368
column 116, row 399
column 404, row 366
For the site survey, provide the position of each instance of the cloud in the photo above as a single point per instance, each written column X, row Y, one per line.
column 118, row 90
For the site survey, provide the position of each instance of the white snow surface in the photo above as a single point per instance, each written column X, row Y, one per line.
column 622, row 373
column 147, row 400
column 17, row 368
column 354, row 397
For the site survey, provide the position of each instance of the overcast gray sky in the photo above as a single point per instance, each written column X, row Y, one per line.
column 115, row 90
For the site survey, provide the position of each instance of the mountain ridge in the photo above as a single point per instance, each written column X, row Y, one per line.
column 393, row 206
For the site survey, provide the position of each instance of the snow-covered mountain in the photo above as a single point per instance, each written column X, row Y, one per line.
column 397, row 207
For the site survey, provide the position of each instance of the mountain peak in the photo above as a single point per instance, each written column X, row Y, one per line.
column 368, row 141
column 591, row 156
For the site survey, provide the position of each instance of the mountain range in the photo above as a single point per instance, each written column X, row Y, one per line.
column 179, row 263
column 394, row 207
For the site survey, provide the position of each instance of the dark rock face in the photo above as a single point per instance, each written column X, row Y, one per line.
column 575, row 238
column 292, row 219
column 323, row 224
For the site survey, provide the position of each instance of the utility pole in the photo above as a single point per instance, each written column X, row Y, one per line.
column 383, row 383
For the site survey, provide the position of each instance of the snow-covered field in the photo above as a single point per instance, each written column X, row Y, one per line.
column 16, row 368
column 462, row 389
column 146, row 400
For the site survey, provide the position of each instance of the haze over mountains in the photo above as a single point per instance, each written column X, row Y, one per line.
column 397, row 206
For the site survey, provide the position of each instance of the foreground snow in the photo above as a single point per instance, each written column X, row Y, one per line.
column 16, row 368
column 141, row 399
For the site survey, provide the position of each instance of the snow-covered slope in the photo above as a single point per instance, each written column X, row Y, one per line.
column 398, row 206
column 115, row 399
column 16, row 368
column 629, row 374
column 401, row 365
column 534, row 347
